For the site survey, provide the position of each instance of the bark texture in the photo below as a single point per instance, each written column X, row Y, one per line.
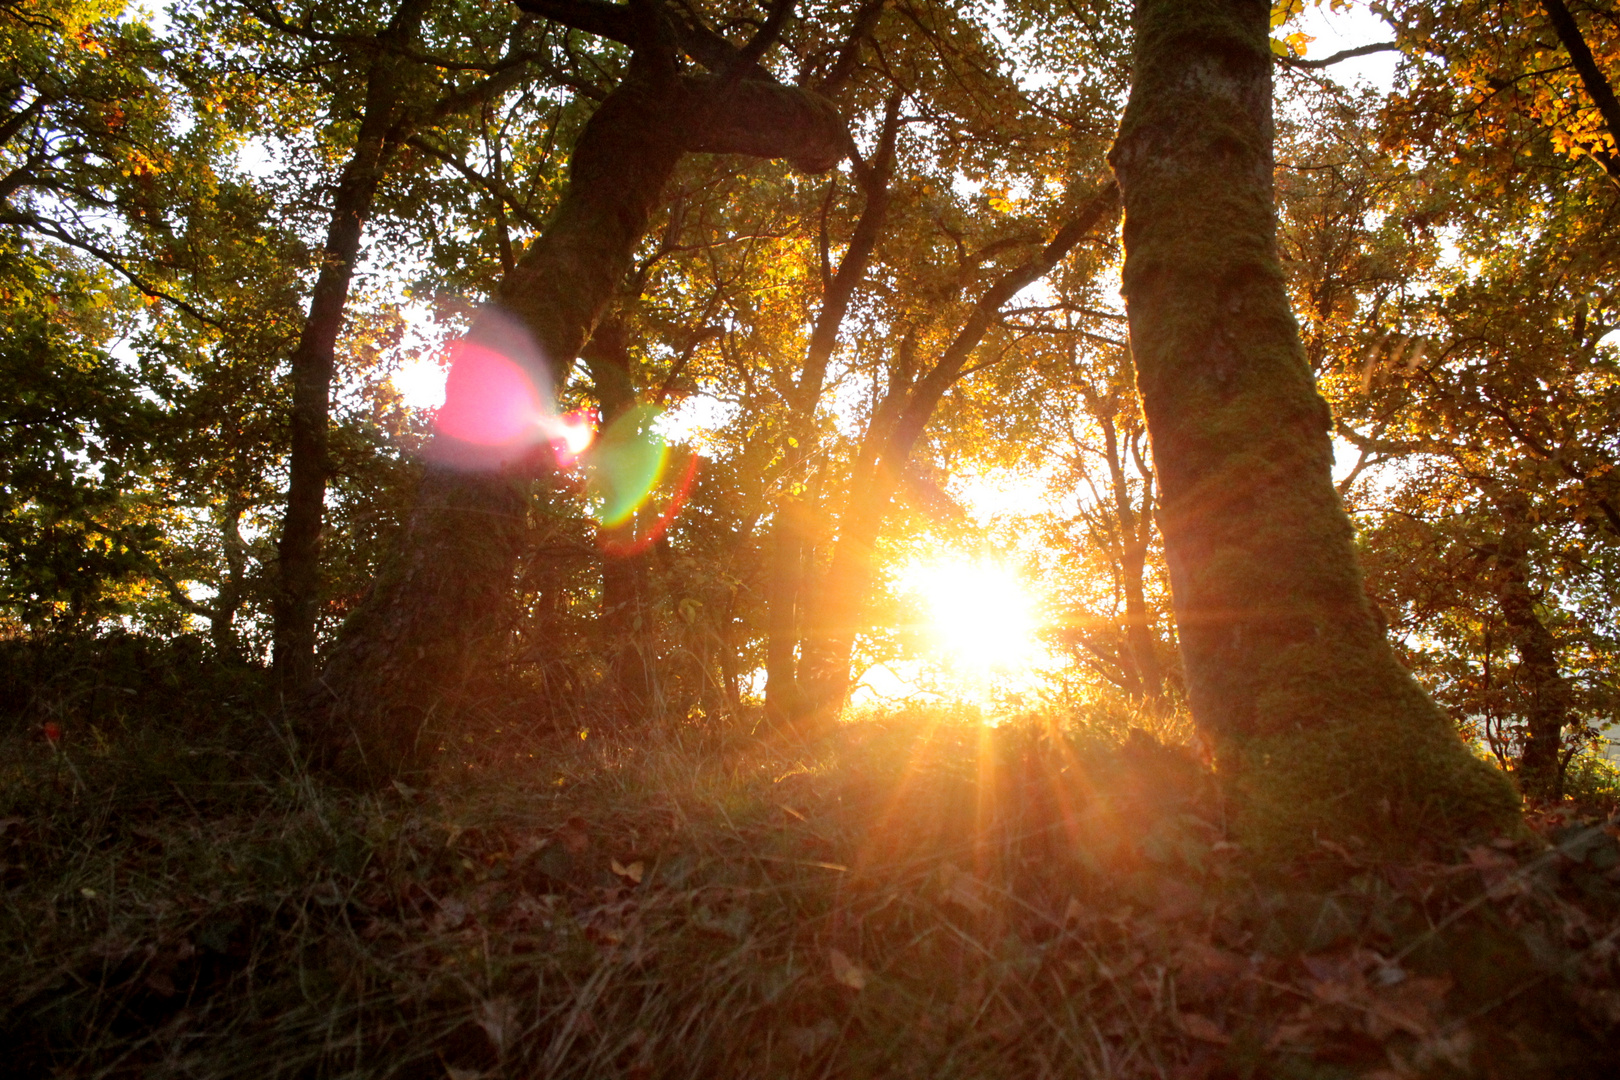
column 445, row 596
column 1319, row 732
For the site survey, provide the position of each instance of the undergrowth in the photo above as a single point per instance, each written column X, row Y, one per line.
column 916, row 895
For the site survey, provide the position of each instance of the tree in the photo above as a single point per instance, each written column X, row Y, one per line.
column 1455, row 306
column 446, row 589
column 1318, row 731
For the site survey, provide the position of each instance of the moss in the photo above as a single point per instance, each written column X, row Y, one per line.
column 1320, row 733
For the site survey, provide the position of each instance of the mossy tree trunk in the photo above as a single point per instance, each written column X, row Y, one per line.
column 1319, row 732
column 445, row 594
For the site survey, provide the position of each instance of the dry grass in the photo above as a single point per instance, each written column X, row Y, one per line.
column 913, row 896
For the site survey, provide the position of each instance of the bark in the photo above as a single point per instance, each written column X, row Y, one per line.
column 897, row 423
column 1545, row 691
column 626, row 577
column 1319, row 732
column 445, row 596
column 299, row 548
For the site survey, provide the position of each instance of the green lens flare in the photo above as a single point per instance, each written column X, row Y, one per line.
column 624, row 465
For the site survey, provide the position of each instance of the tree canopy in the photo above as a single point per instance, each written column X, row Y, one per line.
column 820, row 284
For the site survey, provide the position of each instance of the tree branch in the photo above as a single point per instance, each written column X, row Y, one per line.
column 1602, row 94
column 491, row 184
column 1340, row 56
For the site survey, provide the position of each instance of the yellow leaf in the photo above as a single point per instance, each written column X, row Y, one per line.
column 1278, row 47
column 845, row 971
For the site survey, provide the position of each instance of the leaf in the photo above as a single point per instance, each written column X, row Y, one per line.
column 845, row 970
column 498, row 1017
column 1200, row 1027
column 633, row 871
column 575, row 835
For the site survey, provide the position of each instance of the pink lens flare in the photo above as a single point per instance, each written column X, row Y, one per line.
column 489, row 399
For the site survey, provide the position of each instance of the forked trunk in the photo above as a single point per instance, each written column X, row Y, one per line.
column 445, row 595
column 1319, row 732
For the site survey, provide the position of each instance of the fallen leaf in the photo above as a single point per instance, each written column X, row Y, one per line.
column 1200, row 1027
column 633, row 871
column 575, row 835
column 498, row 1018
column 451, row 914
column 845, row 971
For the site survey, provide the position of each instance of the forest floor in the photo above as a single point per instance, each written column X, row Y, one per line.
column 911, row 896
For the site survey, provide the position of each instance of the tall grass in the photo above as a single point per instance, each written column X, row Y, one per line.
column 914, row 895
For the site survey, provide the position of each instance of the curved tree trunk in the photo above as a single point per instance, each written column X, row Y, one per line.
column 1319, row 732
column 446, row 592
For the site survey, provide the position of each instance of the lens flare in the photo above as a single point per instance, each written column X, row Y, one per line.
column 571, row 434
column 489, row 400
column 624, row 465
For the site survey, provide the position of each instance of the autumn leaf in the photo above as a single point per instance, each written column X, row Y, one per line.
column 1200, row 1027
column 634, row 871
column 845, row 971
column 575, row 835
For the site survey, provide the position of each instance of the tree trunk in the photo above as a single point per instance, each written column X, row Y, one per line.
column 448, row 587
column 1319, row 732
column 833, row 620
column 626, row 577
column 1135, row 530
column 784, row 587
column 791, row 533
column 1545, row 692
column 299, row 548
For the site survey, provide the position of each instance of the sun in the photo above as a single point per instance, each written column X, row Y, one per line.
column 981, row 617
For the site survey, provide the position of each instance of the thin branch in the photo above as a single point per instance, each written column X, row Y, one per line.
column 491, row 184
column 113, row 262
column 1340, row 56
